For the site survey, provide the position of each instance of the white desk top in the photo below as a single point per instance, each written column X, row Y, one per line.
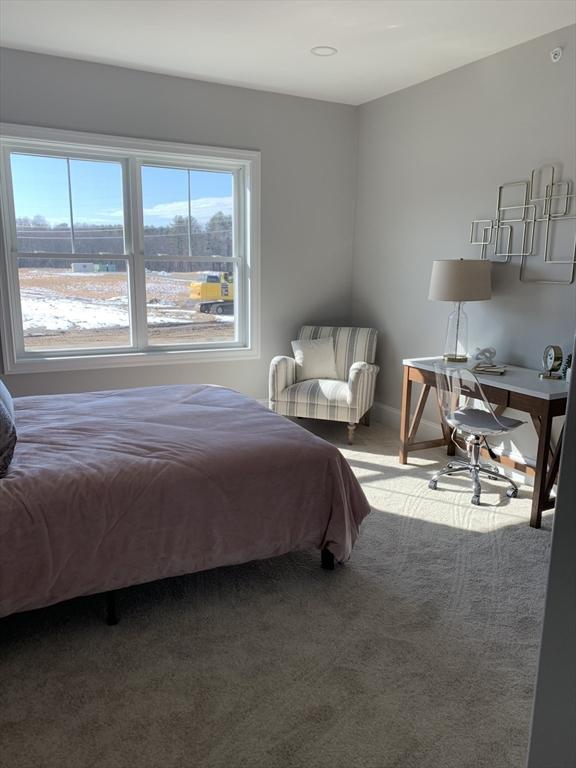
column 523, row 380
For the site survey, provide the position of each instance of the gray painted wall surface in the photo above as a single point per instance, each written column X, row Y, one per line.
column 308, row 186
column 430, row 159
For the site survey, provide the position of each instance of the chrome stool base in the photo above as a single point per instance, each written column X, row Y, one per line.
column 475, row 469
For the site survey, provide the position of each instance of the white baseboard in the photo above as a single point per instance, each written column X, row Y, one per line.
column 390, row 417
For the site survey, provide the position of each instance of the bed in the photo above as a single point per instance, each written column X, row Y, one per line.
column 111, row 489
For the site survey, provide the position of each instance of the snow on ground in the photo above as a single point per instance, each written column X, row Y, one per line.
column 63, row 314
column 60, row 300
column 45, row 312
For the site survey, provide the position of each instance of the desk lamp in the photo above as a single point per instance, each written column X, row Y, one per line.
column 459, row 280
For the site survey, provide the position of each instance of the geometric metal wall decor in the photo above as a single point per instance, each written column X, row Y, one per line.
column 528, row 217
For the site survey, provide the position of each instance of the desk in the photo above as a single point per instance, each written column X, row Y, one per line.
column 519, row 388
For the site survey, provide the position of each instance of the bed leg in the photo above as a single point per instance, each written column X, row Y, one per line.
column 111, row 609
column 327, row 559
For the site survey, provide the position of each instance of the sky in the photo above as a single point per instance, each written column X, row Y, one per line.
column 41, row 188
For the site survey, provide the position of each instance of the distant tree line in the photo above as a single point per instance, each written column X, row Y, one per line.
column 37, row 235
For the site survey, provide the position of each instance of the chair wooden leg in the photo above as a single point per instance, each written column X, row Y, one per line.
column 366, row 419
column 351, row 430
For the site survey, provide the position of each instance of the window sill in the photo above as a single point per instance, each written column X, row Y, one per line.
column 128, row 360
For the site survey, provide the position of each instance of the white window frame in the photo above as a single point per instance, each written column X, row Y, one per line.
column 132, row 154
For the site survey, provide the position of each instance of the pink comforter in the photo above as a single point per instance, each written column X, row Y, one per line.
column 109, row 489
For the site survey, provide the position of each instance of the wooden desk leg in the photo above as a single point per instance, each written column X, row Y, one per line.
column 405, row 415
column 537, row 422
column 421, row 404
column 539, row 498
column 554, row 466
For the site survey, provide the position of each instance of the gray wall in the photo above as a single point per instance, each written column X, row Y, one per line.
column 308, row 187
column 430, row 159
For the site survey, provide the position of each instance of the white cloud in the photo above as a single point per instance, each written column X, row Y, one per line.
column 106, row 216
column 202, row 209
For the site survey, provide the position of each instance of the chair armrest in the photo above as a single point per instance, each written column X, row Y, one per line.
column 361, row 385
column 282, row 375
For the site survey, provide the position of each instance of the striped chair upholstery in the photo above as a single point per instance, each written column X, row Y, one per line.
column 348, row 398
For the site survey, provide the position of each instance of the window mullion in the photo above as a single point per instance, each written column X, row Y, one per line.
column 239, row 251
column 14, row 329
column 72, row 238
column 189, row 216
column 9, row 210
column 137, row 271
column 15, row 302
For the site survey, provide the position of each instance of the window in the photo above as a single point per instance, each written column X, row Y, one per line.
column 115, row 249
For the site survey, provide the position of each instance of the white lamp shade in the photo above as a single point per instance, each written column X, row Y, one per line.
column 460, row 280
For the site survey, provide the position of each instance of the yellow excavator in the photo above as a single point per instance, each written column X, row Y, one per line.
column 214, row 291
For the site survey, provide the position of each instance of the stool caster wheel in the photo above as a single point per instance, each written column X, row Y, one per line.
column 433, row 484
column 512, row 493
column 476, row 500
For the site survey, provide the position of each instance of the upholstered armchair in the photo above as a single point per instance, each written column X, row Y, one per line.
column 347, row 398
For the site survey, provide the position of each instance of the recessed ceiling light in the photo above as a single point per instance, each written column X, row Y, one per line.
column 323, row 50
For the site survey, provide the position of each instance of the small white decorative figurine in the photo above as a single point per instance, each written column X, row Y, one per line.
column 485, row 355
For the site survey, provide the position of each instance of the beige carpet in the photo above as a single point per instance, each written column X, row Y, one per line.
column 418, row 653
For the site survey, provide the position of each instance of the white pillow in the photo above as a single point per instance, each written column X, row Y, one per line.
column 315, row 358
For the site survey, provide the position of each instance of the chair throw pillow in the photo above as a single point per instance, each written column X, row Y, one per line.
column 315, row 358
column 7, row 438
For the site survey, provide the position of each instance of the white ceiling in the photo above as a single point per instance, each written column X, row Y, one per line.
column 383, row 45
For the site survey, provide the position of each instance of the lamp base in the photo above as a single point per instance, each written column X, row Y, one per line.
column 456, row 344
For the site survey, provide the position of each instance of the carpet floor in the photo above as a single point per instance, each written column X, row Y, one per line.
column 420, row 652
